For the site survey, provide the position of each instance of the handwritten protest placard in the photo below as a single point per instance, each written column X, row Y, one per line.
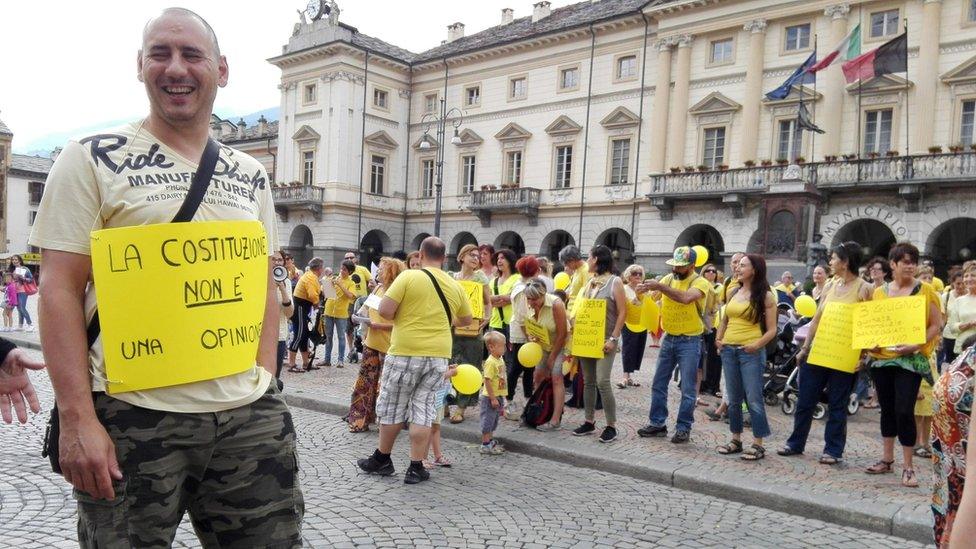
column 588, row 328
column 890, row 322
column 476, row 297
column 680, row 319
column 538, row 331
column 208, row 283
column 832, row 343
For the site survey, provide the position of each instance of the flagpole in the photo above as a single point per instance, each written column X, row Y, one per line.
column 857, row 152
column 813, row 136
column 908, row 149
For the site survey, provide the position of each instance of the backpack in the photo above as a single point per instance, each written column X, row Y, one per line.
column 539, row 408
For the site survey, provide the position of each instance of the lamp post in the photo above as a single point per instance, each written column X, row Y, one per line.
column 441, row 122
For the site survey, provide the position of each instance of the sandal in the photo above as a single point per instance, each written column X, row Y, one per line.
column 633, row 383
column 312, row 366
column 457, row 417
column 786, row 451
column 754, row 453
column 923, row 452
column 908, row 478
column 714, row 416
column 828, row 459
column 623, row 385
column 733, row 447
column 871, row 404
column 880, row 468
column 297, row 370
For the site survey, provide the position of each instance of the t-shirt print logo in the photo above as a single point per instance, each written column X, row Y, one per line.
column 152, row 158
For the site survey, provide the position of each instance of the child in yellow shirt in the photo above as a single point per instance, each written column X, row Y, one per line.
column 493, row 393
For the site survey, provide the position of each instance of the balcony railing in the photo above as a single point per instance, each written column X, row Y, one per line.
column 524, row 200
column 302, row 197
column 755, row 179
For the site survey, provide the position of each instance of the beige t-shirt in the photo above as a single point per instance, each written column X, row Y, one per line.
column 124, row 177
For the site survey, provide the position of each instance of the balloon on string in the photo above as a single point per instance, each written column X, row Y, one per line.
column 806, row 306
column 650, row 314
column 530, row 354
column 701, row 255
column 468, row 379
column 561, row 281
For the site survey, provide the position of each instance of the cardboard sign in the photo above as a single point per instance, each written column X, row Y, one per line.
column 832, row 342
column 589, row 333
column 476, row 297
column 538, row 331
column 373, row 302
column 208, row 287
column 890, row 322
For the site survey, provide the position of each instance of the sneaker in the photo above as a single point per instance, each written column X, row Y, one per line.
column 609, row 434
column 492, row 449
column 549, row 427
column 340, row 365
column 680, row 437
column 416, row 475
column 29, row 329
column 652, row 431
column 372, row 466
column 586, row 428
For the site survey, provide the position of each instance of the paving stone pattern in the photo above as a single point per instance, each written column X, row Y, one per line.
column 512, row 500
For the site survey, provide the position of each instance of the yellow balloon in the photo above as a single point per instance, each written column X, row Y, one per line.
column 468, row 379
column 701, row 255
column 530, row 354
column 561, row 281
column 650, row 314
column 806, row 306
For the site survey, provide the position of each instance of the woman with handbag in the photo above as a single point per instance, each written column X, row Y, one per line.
column 25, row 287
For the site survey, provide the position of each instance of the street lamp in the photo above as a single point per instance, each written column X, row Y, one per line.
column 425, row 144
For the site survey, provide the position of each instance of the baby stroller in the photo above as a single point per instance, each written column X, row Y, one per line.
column 781, row 361
column 791, row 391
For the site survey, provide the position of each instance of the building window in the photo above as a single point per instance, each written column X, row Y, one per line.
column 427, row 179
column 472, row 96
column 377, row 173
column 36, row 190
column 430, row 102
column 627, row 67
column 308, row 167
column 714, row 150
column 467, row 174
column 967, row 135
column 884, row 23
column 971, row 12
column 309, row 94
column 790, row 139
column 877, row 131
column 513, row 168
column 619, row 161
column 564, row 166
column 569, row 78
column 381, row 98
column 797, row 37
column 721, row 52
column 32, row 215
column 518, row 88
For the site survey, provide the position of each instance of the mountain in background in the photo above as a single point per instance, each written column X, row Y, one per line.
column 44, row 145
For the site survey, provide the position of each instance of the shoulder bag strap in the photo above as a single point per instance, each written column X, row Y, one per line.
column 440, row 294
column 501, row 310
column 194, row 196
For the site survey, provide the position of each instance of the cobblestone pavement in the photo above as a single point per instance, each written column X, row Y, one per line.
column 505, row 501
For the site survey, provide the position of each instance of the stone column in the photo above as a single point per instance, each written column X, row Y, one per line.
column 927, row 78
column 662, row 99
column 832, row 80
column 679, row 122
column 753, row 93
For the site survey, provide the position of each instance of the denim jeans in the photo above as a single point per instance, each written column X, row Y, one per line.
column 744, row 381
column 339, row 324
column 683, row 352
column 812, row 380
column 22, row 313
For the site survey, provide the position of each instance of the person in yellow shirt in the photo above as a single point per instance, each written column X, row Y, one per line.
column 363, row 280
column 306, row 298
column 337, row 312
column 683, row 296
column 493, row 393
column 579, row 273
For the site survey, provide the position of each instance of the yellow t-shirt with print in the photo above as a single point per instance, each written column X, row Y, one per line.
column 124, row 177
column 420, row 327
column 339, row 307
column 362, row 287
column 680, row 319
column 494, row 370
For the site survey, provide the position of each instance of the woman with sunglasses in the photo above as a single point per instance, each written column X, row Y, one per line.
column 632, row 342
column 712, row 378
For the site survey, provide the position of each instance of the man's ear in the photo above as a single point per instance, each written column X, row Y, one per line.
column 139, row 65
column 224, row 71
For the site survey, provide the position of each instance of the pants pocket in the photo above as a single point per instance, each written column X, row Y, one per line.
column 101, row 522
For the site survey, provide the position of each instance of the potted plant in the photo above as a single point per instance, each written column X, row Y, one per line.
column 800, row 160
column 850, row 156
column 830, row 158
column 955, row 149
column 484, row 187
column 723, row 167
column 493, row 187
column 766, row 163
column 702, row 168
column 935, row 149
column 973, row 147
column 891, row 154
column 782, row 161
column 873, row 154
column 689, row 169
column 749, row 163
column 675, row 169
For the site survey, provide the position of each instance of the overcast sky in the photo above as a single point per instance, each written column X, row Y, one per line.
column 72, row 63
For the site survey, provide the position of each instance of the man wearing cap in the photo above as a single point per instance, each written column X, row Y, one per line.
column 682, row 295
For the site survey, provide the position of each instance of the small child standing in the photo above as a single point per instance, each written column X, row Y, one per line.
column 435, row 427
column 493, row 393
column 9, row 302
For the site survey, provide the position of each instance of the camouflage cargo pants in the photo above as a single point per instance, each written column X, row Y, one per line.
column 235, row 472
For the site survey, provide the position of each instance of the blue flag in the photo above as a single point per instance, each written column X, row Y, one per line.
column 799, row 76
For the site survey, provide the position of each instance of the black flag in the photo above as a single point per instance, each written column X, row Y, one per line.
column 804, row 122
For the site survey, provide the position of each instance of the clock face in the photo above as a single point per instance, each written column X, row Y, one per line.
column 314, row 9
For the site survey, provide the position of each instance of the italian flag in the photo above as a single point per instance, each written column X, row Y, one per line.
column 849, row 48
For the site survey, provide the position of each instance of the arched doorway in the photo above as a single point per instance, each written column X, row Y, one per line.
column 510, row 240
column 874, row 237
column 375, row 243
column 554, row 242
column 459, row 241
column 620, row 244
column 300, row 245
column 707, row 236
column 952, row 243
column 415, row 244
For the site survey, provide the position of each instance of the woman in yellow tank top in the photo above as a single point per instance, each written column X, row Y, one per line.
column 846, row 287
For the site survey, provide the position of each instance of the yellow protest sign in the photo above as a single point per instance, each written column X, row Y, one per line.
column 832, row 342
column 538, row 331
column 650, row 314
column 634, row 313
column 207, row 285
column 890, row 322
column 678, row 319
column 476, row 297
column 589, row 328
